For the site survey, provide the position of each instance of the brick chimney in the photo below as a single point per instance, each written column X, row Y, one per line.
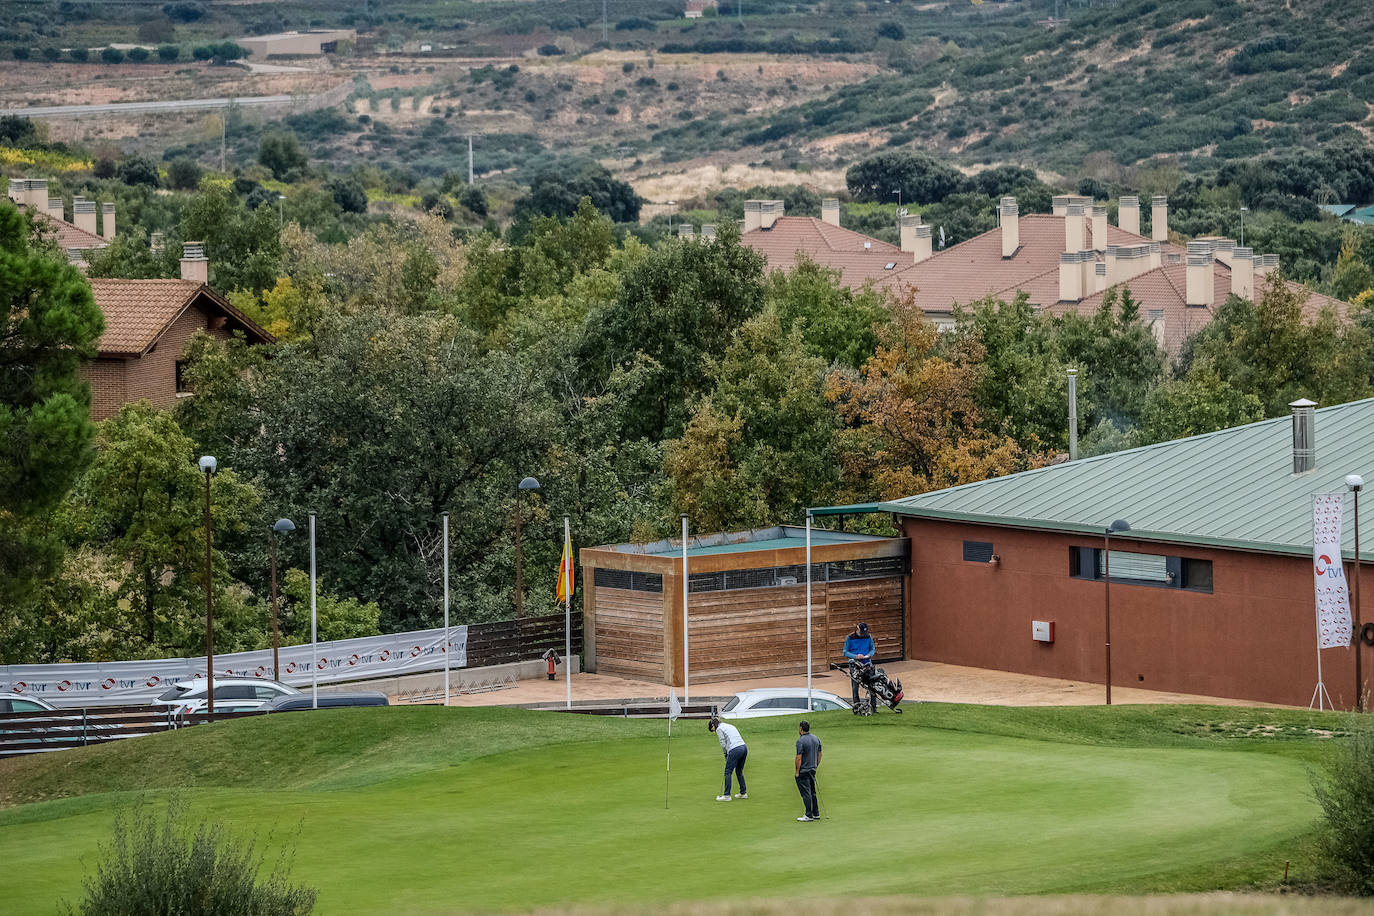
column 108, row 218
column 1099, row 276
column 83, row 214
column 1222, row 250
column 1059, row 204
column 753, row 215
column 1100, row 228
column 1070, row 277
column 1011, row 227
column 1159, row 218
column 1074, row 228
column 708, row 231
column 770, row 212
column 55, row 208
column 1242, row 273
column 830, row 211
column 1128, row 215
column 194, row 266
column 907, row 231
column 923, row 243
column 37, row 196
column 1199, row 280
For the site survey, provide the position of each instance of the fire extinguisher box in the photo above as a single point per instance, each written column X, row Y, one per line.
column 1042, row 630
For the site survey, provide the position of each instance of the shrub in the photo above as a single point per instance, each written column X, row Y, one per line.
column 155, row 31
column 184, row 174
column 168, row 53
column 474, row 200
column 201, row 52
column 549, row 50
column 52, row 53
column 103, row 167
column 166, row 865
column 183, row 12
column 21, row 53
column 634, row 24
column 138, row 55
column 136, row 170
column 891, row 30
column 348, row 194
column 627, row 67
column 79, row 54
column 112, row 56
column 1346, row 794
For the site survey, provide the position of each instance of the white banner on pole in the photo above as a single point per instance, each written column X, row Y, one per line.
column 134, row 682
column 1334, row 624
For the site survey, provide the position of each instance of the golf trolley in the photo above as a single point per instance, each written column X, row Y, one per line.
column 874, row 681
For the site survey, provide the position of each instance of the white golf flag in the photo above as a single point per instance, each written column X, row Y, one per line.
column 674, row 707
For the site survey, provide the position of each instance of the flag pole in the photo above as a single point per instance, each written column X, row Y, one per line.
column 567, row 610
column 686, row 658
column 447, row 632
column 808, row 611
column 668, row 763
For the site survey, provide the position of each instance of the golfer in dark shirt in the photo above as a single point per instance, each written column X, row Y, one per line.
column 807, row 762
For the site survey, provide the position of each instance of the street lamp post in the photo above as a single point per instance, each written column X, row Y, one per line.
column 208, row 465
column 529, row 483
column 283, row 526
column 1356, row 483
column 1119, row 525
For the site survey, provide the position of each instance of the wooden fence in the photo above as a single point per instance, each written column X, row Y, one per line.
column 519, row 640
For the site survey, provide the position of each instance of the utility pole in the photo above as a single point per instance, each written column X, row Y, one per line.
column 604, row 34
column 469, row 159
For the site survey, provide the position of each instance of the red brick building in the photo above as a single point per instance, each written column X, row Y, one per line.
column 148, row 324
column 1211, row 589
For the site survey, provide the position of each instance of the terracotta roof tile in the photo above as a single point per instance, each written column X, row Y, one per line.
column 858, row 257
column 137, row 312
column 69, row 236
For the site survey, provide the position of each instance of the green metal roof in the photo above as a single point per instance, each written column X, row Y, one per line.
column 1232, row 488
column 781, row 536
column 856, row 509
column 1338, row 209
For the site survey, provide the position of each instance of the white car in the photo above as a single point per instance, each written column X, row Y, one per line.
column 232, row 694
column 779, row 701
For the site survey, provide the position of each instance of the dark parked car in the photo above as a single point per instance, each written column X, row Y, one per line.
column 328, row 701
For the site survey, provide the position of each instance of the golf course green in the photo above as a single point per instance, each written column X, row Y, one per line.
column 433, row 810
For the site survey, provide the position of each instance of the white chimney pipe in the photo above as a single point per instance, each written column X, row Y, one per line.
column 1073, row 228
column 1242, row 273
column 907, row 232
column 37, row 197
column 194, row 266
column 1099, row 276
column 1070, row 277
column 1159, row 218
column 109, row 221
column 1059, row 204
column 1155, row 248
column 753, row 215
column 55, row 208
column 923, row 243
column 1100, row 228
column 83, row 215
column 830, row 211
column 1199, row 280
column 1128, row 215
column 1011, row 227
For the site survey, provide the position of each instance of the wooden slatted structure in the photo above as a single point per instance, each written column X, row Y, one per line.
column 746, row 607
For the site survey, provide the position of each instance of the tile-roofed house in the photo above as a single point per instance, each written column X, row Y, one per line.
column 147, row 326
column 75, row 237
column 784, row 240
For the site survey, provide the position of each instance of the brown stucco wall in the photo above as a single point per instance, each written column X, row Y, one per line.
column 151, row 377
column 1253, row 637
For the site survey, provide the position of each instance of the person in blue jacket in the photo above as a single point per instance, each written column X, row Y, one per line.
column 858, row 648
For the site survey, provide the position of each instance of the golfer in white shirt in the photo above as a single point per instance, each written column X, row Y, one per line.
column 732, row 745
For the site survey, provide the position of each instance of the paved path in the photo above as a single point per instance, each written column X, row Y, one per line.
column 71, row 111
column 930, row 681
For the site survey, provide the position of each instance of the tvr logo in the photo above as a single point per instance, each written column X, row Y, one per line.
column 1325, row 567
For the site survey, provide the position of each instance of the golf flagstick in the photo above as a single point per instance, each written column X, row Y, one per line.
column 674, row 710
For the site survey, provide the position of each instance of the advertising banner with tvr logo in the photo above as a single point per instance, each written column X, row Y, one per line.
column 1334, row 624
column 136, row 682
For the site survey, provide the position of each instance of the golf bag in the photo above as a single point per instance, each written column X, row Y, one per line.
column 880, row 688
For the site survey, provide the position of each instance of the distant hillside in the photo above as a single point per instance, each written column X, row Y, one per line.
column 1203, row 80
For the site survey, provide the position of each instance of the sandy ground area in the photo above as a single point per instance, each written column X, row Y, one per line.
column 921, row 681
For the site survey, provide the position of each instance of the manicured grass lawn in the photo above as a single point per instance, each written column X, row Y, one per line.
column 430, row 810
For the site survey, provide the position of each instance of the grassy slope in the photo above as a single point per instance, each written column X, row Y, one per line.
column 427, row 810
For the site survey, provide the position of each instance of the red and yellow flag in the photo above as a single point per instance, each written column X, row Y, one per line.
column 565, row 570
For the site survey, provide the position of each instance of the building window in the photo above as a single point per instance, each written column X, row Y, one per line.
column 1154, row 570
column 182, row 386
column 977, row 551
